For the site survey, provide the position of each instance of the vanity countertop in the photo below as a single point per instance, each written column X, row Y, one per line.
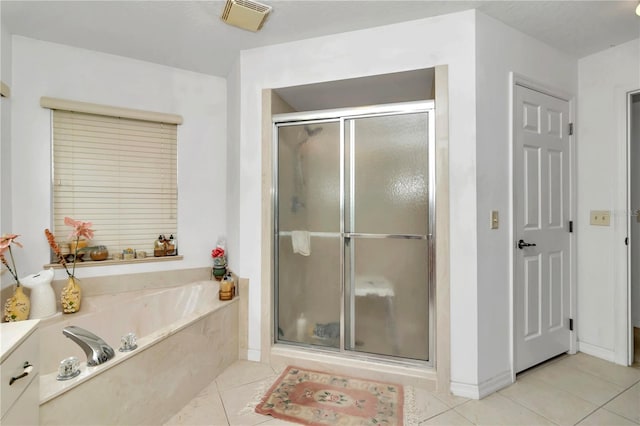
column 13, row 333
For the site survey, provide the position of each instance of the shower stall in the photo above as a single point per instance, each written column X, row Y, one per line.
column 354, row 231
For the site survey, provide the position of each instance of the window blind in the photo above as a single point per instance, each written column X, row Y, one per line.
column 119, row 173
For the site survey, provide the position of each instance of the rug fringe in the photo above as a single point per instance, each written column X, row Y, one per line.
column 411, row 415
column 256, row 398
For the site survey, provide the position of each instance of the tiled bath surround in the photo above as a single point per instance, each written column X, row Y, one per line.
column 93, row 286
column 172, row 364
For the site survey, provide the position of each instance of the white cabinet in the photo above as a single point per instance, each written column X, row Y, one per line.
column 19, row 392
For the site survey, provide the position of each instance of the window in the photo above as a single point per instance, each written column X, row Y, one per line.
column 115, row 170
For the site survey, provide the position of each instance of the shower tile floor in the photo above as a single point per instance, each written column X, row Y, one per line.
column 569, row 390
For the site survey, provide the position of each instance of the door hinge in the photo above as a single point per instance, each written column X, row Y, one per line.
column 570, row 324
column 626, row 241
column 570, row 226
column 570, row 129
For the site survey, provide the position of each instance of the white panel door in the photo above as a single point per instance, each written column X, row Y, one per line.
column 541, row 214
column 634, row 224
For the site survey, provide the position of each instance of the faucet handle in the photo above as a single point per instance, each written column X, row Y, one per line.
column 69, row 368
column 129, row 342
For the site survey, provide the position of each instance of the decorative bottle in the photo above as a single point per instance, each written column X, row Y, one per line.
column 172, row 249
column 17, row 307
column 159, row 249
column 71, row 296
column 226, row 288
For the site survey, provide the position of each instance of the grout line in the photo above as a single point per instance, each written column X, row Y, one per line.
column 587, row 371
column 436, row 415
column 620, row 415
column 558, row 388
column 434, row 393
column 224, row 407
column 582, row 419
column 528, row 409
column 248, row 383
column 462, row 415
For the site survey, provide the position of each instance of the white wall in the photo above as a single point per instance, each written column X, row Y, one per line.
column 47, row 69
column 5, row 137
column 447, row 39
column 233, row 171
column 500, row 50
column 604, row 78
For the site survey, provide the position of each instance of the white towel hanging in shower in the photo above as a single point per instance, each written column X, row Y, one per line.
column 301, row 241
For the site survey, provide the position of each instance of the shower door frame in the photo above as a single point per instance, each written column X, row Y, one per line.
column 341, row 115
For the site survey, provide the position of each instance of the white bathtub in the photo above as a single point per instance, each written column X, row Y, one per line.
column 186, row 337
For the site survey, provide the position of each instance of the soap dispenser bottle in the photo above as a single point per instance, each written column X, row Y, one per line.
column 159, row 248
column 172, row 249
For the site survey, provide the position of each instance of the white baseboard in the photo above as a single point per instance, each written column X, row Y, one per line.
column 483, row 389
column 253, row 355
column 465, row 390
column 597, row 351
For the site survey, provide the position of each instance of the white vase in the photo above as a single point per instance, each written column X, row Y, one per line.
column 43, row 299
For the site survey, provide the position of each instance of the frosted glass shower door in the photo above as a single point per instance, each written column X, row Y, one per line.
column 387, row 228
column 353, row 231
column 308, row 276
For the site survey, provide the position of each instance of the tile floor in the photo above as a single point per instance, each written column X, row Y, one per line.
column 569, row 390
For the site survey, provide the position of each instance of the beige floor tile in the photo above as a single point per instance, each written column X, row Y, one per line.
column 237, row 402
column 603, row 417
column 205, row 409
column 543, row 365
column 450, row 399
column 578, row 382
column 242, row 372
column 499, row 410
column 617, row 374
column 627, row 404
column 425, row 405
column 557, row 405
column 448, row 418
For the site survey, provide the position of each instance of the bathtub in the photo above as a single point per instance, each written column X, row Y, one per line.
column 186, row 337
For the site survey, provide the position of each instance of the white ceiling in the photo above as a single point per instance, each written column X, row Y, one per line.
column 190, row 34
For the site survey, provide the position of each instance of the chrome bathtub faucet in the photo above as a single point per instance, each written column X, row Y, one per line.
column 97, row 350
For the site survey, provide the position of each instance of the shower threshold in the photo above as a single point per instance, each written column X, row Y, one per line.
column 413, row 373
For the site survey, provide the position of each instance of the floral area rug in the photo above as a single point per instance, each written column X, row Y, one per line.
column 315, row 398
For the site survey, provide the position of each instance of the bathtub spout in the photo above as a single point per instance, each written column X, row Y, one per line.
column 96, row 349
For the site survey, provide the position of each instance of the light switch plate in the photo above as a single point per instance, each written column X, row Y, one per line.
column 495, row 219
column 600, row 217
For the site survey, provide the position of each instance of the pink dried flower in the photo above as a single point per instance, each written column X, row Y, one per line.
column 5, row 244
column 6, row 240
column 80, row 229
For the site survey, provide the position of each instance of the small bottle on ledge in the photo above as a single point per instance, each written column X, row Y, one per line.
column 159, row 248
column 172, row 249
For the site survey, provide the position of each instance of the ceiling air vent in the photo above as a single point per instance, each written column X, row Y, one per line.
column 246, row 14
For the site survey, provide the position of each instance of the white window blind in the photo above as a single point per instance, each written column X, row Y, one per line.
column 119, row 173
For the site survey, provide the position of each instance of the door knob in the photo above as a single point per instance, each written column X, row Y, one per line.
column 522, row 244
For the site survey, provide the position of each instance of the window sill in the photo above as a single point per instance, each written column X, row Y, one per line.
column 110, row 262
